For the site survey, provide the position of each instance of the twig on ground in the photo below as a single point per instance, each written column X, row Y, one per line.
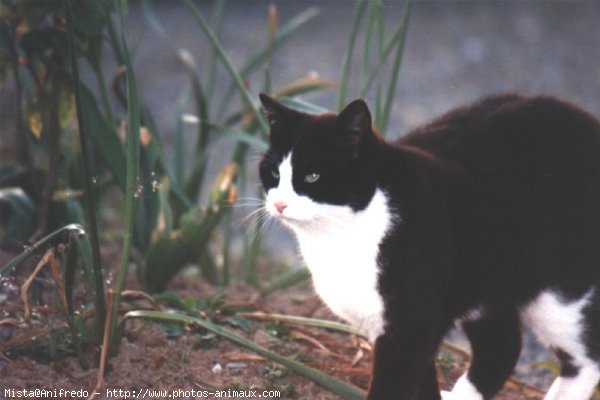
column 25, row 287
column 105, row 343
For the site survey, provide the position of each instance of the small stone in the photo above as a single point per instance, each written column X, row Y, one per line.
column 235, row 368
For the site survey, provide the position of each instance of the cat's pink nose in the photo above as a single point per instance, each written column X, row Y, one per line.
column 280, row 206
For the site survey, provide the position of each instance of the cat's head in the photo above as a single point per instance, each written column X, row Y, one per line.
column 318, row 167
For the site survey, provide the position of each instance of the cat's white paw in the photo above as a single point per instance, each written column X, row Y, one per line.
column 463, row 390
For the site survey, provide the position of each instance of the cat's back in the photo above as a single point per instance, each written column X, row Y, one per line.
column 514, row 134
column 529, row 169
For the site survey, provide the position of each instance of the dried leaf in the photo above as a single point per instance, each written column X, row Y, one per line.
column 36, row 125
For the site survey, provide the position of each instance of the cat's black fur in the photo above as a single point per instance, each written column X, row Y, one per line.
column 497, row 202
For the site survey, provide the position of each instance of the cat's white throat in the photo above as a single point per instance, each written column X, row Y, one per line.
column 340, row 248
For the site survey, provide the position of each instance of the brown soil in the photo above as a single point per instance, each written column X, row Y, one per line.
column 148, row 359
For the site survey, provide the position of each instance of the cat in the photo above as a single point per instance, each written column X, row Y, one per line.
column 487, row 217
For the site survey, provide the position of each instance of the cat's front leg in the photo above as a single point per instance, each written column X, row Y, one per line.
column 403, row 367
column 429, row 388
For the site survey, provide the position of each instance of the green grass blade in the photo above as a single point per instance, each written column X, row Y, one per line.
column 69, row 282
column 179, row 161
column 194, row 183
column 371, row 24
column 268, row 86
column 113, row 35
column 380, row 43
column 316, row 322
column 344, row 75
column 242, row 137
column 283, row 35
column 334, row 385
column 395, row 69
column 152, row 19
column 211, row 72
column 279, row 39
column 90, row 198
column 108, row 109
column 133, row 151
column 293, row 278
column 227, row 242
column 104, row 136
column 252, row 251
column 303, row 106
column 246, row 96
column 50, row 238
column 398, row 36
column 305, row 85
column 157, row 149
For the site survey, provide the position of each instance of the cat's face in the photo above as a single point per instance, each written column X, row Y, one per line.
column 318, row 168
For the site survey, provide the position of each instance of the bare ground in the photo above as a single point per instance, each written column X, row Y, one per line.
column 149, row 359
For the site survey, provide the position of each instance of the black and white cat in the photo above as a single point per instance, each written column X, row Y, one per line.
column 488, row 217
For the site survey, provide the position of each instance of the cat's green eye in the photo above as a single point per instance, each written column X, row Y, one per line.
column 275, row 174
column 312, row 178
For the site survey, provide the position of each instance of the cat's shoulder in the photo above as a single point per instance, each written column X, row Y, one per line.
column 507, row 109
column 506, row 105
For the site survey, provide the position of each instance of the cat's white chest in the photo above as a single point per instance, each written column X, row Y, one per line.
column 341, row 254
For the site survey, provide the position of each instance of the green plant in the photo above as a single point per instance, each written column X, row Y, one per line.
column 341, row 388
column 70, row 157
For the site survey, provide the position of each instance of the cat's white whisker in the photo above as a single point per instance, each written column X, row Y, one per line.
column 252, row 217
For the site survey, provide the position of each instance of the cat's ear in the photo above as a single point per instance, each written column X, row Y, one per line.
column 354, row 121
column 275, row 111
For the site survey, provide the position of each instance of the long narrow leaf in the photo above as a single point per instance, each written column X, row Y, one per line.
column 103, row 135
column 397, row 37
column 316, row 322
column 179, row 159
column 246, row 96
column 395, row 70
column 282, row 36
column 303, row 106
column 90, row 198
column 358, row 14
column 176, row 189
column 242, row 136
column 227, row 242
column 371, row 24
column 69, row 284
column 334, row 385
column 153, row 20
column 50, row 238
column 293, row 278
column 252, row 251
column 304, row 86
column 108, row 108
column 380, row 60
column 196, row 178
column 211, row 72
column 132, row 150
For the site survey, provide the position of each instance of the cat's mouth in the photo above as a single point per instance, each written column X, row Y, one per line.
column 287, row 218
column 290, row 219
